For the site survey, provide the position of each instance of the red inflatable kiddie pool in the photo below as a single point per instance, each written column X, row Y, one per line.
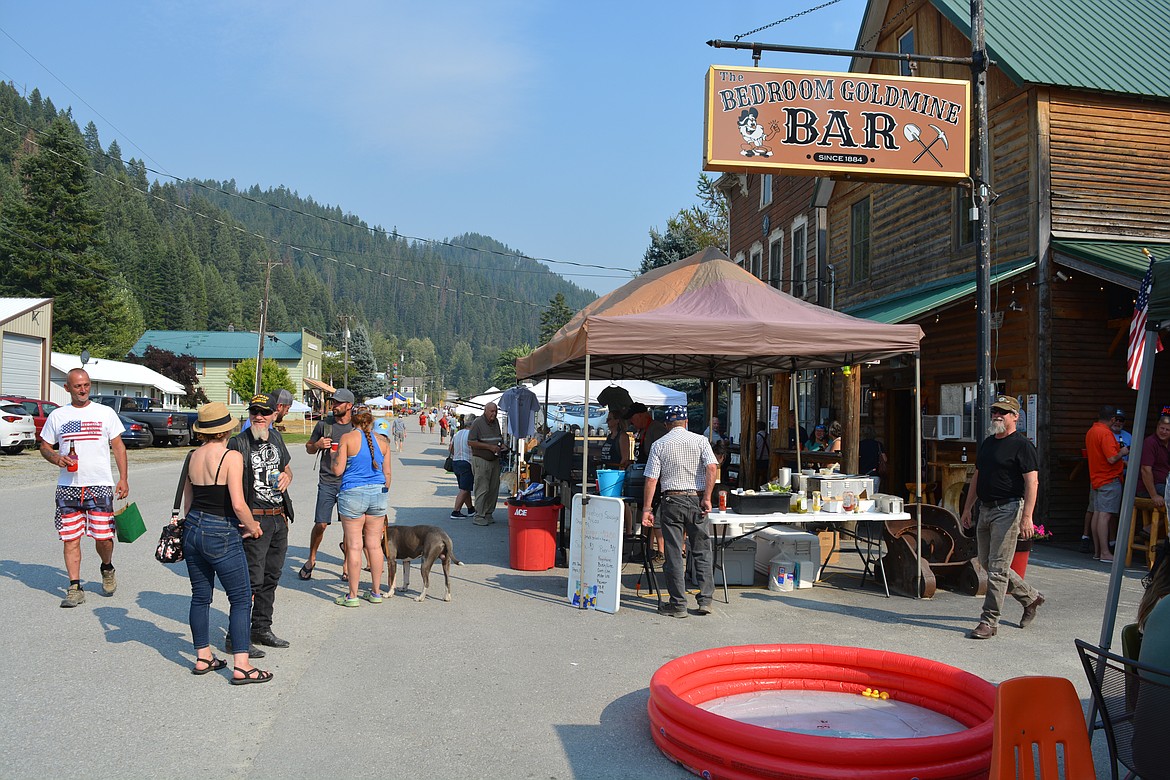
column 718, row 747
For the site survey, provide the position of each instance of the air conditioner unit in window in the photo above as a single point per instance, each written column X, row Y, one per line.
column 941, row 426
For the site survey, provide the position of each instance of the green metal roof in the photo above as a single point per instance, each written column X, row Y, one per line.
column 1124, row 257
column 220, row 345
column 1107, row 45
column 908, row 304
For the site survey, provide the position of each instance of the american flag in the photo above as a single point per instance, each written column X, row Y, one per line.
column 77, row 430
column 1137, row 328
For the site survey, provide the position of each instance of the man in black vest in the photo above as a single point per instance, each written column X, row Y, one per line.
column 267, row 474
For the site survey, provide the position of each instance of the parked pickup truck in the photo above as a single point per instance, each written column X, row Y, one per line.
column 167, row 426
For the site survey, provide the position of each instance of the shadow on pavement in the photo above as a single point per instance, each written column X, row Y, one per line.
column 885, row 617
column 50, row 579
column 120, row 627
column 622, row 736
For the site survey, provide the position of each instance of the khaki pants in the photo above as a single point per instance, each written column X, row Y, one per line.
column 486, row 492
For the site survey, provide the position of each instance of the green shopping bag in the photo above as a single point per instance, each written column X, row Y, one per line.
column 128, row 523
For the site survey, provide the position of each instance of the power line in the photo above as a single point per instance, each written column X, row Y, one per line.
column 270, row 240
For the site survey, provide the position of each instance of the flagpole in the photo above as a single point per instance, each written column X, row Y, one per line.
column 1132, row 475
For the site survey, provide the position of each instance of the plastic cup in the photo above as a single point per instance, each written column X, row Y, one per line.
column 333, row 446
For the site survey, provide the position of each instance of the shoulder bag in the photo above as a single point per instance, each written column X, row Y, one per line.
column 170, row 542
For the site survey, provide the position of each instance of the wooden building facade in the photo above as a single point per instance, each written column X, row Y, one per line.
column 1079, row 187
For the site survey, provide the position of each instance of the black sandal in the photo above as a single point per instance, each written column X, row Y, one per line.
column 306, row 572
column 252, row 675
column 213, row 665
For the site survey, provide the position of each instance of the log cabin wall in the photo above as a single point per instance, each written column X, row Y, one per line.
column 1090, row 325
column 1109, row 172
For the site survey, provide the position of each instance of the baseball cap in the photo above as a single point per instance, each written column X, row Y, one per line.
column 282, row 398
column 635, row 408
column 264, row 401
column 676, row 413
column 1006, row 403
column 382, row 426
column 343, row 396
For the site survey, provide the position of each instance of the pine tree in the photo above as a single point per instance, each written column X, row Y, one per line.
column 554, row 317
column 362, row 367
column 51, row 247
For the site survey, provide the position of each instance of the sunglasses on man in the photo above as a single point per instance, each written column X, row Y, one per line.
column 256, row 411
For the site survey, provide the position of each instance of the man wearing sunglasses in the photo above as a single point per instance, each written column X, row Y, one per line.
column 1000, row 500
column 267, row 474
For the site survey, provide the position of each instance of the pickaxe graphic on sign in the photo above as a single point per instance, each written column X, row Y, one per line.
column 914, row 134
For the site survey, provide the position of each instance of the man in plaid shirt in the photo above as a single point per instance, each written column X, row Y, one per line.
column 687, row 468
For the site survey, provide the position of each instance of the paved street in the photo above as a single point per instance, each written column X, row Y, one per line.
column 505, row 681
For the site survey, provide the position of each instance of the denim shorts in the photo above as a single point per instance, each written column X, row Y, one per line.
column 362, row 500
column 326, row 501
column 463, row 477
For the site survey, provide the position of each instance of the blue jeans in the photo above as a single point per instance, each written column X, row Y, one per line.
column 212, row 547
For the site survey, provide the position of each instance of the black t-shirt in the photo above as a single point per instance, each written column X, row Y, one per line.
column 869, row 456
column 1002, row 464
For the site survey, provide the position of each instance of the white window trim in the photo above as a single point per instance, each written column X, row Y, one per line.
column 776, row 237
column 798, row 223
column 741, row 260
column 756, row 252
column 767, row 184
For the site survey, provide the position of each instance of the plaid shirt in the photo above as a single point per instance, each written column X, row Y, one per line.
column 679, row 460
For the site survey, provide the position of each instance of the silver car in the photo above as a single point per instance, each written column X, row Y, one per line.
column 17, row 429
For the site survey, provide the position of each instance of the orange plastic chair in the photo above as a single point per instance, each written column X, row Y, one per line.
column 1033, row 715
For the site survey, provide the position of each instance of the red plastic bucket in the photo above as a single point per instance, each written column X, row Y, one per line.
column 532, row 536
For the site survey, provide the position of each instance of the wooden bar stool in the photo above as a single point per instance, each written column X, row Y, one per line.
column 1145, row 512
column 929, row 490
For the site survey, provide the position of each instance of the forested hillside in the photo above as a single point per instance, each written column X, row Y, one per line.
column 123, row 252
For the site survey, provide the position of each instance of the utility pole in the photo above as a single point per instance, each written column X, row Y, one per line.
column 263, row 327
column 345, row 346
column 981, row 210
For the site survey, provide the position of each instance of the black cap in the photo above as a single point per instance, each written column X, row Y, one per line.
column 636, row 408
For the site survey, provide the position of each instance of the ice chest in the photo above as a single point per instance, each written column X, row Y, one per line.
column 738, row 563
column 789, row 544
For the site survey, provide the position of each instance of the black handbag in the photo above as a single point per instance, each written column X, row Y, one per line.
column 170, row 541
column 449, row 464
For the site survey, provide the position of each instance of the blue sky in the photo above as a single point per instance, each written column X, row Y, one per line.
column 564, row 130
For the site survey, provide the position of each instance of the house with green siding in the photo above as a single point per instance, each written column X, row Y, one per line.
column 217, row 352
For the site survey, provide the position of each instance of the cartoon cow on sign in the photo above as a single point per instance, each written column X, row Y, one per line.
column 753, row 135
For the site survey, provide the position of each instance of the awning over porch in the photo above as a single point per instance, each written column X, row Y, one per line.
column 315, row 384
column 1120, row 262
column 908, row 304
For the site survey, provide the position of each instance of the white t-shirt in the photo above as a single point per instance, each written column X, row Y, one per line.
column 89, row 429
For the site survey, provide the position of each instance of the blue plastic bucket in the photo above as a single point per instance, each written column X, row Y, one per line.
column 610, row 481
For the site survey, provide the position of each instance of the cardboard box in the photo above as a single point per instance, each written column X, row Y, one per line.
column 826, row 540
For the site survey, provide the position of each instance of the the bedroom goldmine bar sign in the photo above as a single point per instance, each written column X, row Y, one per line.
column 761, row 120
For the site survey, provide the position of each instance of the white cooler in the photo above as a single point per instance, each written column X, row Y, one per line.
column 789, row 544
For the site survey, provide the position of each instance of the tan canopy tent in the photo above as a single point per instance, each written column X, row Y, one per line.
column 706, row 317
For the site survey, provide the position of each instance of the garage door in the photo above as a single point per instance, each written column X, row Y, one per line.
column 20, row 372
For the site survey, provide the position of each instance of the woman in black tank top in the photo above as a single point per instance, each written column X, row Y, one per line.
column 217, row 521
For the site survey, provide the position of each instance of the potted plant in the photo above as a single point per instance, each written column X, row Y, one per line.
column 1024, row 548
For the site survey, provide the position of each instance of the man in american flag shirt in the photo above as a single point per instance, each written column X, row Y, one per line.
column 78, row 439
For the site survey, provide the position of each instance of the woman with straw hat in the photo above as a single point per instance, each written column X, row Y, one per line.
column 217, row 521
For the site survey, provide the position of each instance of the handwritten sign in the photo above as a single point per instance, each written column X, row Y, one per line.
column 595, row 563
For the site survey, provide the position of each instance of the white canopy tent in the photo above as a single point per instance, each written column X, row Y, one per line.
column 379, row 402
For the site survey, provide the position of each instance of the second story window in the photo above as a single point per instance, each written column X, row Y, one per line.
column 776, row 262
column 906, row 46
column 859, row 240
column 757, row 262
column 800, row 259
column 765, row 190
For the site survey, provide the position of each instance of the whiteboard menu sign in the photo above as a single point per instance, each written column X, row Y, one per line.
column 595, row 562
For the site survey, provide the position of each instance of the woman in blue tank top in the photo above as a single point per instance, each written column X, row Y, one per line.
column 363, row 463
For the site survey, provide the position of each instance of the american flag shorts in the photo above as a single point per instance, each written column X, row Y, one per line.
column 85, row 510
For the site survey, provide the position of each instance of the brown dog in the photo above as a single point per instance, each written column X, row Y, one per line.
column 407, row 542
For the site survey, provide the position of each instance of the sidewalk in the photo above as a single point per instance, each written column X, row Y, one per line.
column 507, row 680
